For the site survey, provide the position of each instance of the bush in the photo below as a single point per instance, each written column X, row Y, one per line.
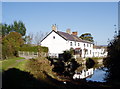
column 44, row 49
column 27, row 47
column 90, row 63
column 11, row 44
column 37, row 67
column 59, row 67
column 66, row 65
column 67, row 56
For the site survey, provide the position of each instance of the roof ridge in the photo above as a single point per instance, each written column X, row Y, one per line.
column 72, row 37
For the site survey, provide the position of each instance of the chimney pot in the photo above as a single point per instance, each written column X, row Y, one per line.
column 68, row 31
column 54, row 27
column 75, row 33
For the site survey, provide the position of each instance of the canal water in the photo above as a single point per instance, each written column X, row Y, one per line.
column 98, row 76
column 90, row 74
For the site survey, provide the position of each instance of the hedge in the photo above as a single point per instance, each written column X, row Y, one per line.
column 30, row 48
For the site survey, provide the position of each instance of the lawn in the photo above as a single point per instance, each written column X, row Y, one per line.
column 12, row 63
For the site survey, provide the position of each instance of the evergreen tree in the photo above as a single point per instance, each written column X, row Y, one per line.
column 87, row 36
column 112, row 62
column 16, row 27
column 19, row 27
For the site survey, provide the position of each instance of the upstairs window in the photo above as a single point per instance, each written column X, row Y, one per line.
column 70, row 43
column 87, row 45
column 78, row 44
column 84, row 45
column 53, row 37
column 75, row 43
column 90, row 52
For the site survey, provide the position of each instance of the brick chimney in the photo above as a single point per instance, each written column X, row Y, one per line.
column 68, row 31
column 75, row 33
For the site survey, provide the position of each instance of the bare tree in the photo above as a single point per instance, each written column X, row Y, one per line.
column 29, row 38
column 39, row 36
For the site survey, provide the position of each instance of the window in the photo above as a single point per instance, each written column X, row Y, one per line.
column 84, row 45
column 78, row 44
column 75, row 43
column 87, row 45
column 90, row 51
column 87, row 52
column 70, row 43
column 53, row 37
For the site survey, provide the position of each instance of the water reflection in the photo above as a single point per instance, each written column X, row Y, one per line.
column 83, row 74
column 90, row 74
column 99, row 75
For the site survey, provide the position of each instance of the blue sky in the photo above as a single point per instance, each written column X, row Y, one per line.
column 98, row 18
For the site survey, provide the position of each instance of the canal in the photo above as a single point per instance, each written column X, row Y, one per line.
column 95, row 74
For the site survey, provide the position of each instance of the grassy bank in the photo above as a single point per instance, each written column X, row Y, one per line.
column 13, row 63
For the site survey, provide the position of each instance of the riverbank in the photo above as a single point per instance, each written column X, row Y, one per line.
column 41, row 76
column 15, row 79
column 15, row 62
column 98, row 60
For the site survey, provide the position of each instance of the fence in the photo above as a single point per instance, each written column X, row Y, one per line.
column 28, row 55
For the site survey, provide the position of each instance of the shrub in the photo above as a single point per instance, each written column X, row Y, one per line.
column 59, row 67
column 11, row 44
column 90, row 63
column 44, row 49
column 27, row 47
column 67, row 56
column 65, row 65
column 37, row 67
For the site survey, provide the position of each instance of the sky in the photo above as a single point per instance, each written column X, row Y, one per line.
column 97, row 18
column 60, row 0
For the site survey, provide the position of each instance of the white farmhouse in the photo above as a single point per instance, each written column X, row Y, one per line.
column 58, row 41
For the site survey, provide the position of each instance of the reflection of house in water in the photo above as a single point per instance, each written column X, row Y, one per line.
column 82, row 73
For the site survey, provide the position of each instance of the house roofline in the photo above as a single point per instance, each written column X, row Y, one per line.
column 65, row 38
column 50, row 33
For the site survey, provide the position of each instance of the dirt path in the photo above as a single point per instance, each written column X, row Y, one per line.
column 17, row 61
column 21, row 60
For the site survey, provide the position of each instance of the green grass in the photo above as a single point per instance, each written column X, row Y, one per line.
column 21, row 65
column 12, row 63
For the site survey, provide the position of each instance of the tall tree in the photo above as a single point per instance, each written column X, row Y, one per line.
column 28, row 39
column 19, row 27
column 112, row 62
column 15, row 27
column 11, row 44
column 87, row 36
column 6, row 29
column 38, row 37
